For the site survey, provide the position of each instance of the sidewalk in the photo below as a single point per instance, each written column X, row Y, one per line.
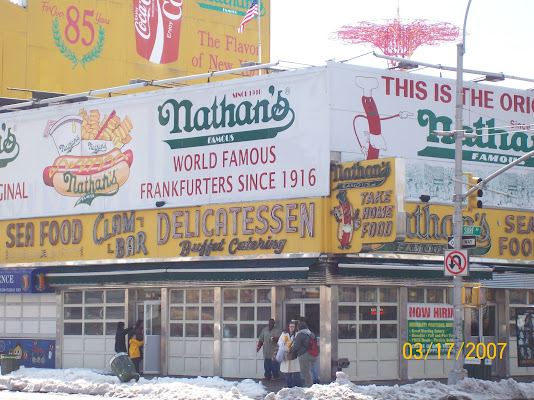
column 276, row 385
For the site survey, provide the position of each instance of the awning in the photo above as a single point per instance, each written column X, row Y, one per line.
column 213, row 270
column 405, row 269
column 511, row 280
column 517, row 268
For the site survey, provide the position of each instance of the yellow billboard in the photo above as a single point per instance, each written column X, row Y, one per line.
column 230, row 230
column 73, row 46
column 366, row 204
column 505, row 234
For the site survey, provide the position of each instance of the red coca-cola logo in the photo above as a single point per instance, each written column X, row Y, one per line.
column 173, row 9
column 157, row 29
column 142, row 21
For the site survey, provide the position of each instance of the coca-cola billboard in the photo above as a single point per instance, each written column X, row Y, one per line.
column 157, row 29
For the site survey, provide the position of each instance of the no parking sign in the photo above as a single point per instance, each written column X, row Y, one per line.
column 456, row 263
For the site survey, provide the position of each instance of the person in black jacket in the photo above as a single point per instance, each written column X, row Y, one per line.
column 120, row 341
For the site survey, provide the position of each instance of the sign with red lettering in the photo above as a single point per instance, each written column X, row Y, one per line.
column 430, row 324
column 456, row 263
column 381, row 114
column 255, row 140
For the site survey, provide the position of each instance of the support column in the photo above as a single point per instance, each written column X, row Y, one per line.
column 164, row 367
column 403, row 331
column 503, row 331
column 329, row 339
column 59, row 329
column 217, row 331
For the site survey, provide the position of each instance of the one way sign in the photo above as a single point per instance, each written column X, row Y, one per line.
column 468, row 242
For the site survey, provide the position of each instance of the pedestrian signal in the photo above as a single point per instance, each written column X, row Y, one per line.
column 473, row 296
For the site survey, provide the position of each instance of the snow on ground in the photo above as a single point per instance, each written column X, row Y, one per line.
column 78, row 383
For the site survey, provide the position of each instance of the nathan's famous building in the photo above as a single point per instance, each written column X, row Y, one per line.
column 208, row 209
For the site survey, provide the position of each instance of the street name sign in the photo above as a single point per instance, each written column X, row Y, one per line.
column 471, row 230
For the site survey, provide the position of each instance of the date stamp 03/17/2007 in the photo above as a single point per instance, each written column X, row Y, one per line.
column 473, row 351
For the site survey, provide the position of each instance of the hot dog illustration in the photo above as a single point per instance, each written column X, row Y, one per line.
column 348, row 220
column 110, row 169
column 373, row 141
column 91, row 160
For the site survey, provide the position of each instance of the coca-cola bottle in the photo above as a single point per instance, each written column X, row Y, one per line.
column 157, row 29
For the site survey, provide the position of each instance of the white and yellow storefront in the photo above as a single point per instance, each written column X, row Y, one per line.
column 206, row 279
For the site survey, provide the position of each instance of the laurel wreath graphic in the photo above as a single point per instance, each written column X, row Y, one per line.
column 92, row 55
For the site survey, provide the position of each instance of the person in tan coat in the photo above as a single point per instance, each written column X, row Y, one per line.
column 290, row 368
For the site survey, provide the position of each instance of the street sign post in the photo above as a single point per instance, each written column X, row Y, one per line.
column 456, row 263
column 468, row 242
column 471, row 230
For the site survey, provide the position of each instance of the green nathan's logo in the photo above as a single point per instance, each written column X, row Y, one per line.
column 236, row 7
column 497, row 146
column 263, row 119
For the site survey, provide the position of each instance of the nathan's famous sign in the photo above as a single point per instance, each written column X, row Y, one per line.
column 258, row 139
column 232, row 230
column 380, row 113
column 105, row 43
column 366, row 204
column 505, row 234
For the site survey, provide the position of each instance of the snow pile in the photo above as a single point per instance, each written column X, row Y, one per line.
column 467, row 389
column 78, row 382
column 93, row 382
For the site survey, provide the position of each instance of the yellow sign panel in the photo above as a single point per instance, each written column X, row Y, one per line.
column 364, row 207
column 72, row 46
column 267, row 228
column 505, row 234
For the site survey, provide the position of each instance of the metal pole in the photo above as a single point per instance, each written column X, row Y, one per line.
column 259, row 34
column 458, row 372
column 496, row 75
column 137, row 85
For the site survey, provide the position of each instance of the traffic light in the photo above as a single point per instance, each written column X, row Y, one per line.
column 473, row 200
column 473, row 296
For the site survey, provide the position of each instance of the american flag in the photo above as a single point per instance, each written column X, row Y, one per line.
column 251, row 13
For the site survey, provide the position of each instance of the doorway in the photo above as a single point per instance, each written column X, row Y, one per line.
column 483, row 329
column 150, row 312
column 293, row 309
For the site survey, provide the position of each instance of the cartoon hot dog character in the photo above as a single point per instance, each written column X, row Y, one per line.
column 91, row 161
column 347, row 219
column 373, row 140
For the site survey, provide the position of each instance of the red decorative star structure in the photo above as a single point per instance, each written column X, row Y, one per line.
column 398, row 37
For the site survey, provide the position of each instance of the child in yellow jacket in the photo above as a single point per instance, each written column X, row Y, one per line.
column 135, row 353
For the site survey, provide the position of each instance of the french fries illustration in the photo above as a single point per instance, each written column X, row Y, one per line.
column 111, row 128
